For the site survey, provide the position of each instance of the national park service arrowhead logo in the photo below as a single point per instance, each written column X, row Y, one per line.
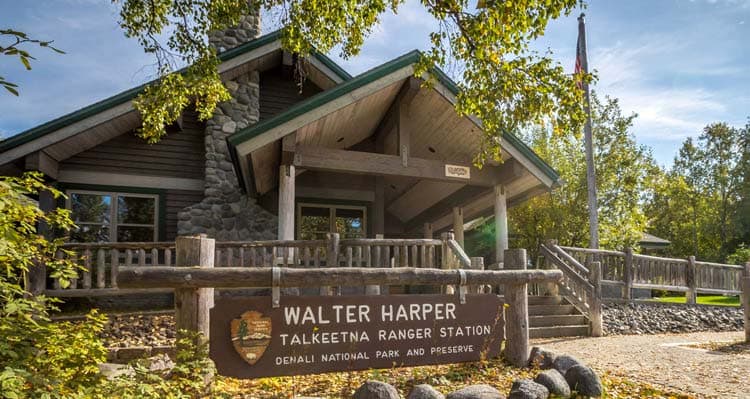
column 251, row 335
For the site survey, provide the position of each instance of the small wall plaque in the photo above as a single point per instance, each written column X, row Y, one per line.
column 461, row 172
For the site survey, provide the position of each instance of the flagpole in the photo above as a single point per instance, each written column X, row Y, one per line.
column 588, row 141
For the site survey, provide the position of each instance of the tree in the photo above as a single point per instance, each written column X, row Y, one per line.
column 624, row 178
column 742, row 219
column 698, row 204
column 503, row 82
column 39, row 358
column 14, row 47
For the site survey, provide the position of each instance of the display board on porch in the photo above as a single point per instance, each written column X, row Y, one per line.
column 285, row 335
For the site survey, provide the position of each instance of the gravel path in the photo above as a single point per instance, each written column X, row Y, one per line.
column 660, row 360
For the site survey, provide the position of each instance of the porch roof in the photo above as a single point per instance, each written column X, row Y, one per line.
column 352, row 114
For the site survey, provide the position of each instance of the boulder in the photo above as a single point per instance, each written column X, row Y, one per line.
column 541, row 358
column 425, row 391
column 555, row 383
column 376, row 390
column 112, row 371
column 527, row 389
column 584, row 381
column 563, row 362
column 482, row 391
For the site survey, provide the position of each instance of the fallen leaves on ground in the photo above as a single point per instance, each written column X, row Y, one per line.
column 445, row 378
column 735, row 347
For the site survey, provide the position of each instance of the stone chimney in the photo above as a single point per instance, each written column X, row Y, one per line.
column 247, row 30
column 225, row 213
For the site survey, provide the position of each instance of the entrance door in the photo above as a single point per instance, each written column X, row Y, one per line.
column 314, row 221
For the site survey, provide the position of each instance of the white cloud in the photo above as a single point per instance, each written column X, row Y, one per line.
column 641, row 73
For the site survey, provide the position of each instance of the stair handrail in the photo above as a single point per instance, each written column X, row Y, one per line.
column 460, row 254
column 579, row 286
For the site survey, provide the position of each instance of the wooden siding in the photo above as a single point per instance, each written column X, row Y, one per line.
column 178, row 154
column 176, row 200
column 279, row 91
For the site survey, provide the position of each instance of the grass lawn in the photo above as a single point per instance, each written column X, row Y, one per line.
column 716, row 300
column 445, row 378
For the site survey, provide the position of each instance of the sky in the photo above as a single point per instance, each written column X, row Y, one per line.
column 678, row 64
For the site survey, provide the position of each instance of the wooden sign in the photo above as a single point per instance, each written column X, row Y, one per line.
column 316, row 334
column 461, row 172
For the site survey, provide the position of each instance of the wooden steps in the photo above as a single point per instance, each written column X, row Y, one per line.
column 554, row 316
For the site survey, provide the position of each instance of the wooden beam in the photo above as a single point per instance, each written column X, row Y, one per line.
column 42, row 162
column 421, row 196
column 444, row 207
column 475, row 201
column 458, row 225
column 356, row 162
column 286, row 202
column 378, row 207
column 403, row 135
column 248, row 277
column 427, row 230
column 501, row 223
column 398, row 109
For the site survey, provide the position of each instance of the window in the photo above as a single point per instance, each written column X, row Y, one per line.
column 314, row 221
column 115, row 217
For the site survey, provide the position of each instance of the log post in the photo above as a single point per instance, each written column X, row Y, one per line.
column 332, row 256
column 428, row 230
column 692, row 282
column 746, row 299
column 36, row 281
column 446, row 257
column 458, row 225
column 628, row 274
column 378, row 207
column 192, row 305
column 286, row 202
column 550, row 288
column 595, row 303
column 517, row 312
column 501, row 224
column 477, row 263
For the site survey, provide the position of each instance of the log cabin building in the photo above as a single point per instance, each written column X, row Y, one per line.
column 364, row 156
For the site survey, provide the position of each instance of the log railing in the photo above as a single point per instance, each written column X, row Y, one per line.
column 379, row 252
column 580, row 285
column 629, row 270
column 613, row 262
column 195, row 277
column 717, row 278
column 297, row 253
column 100, row 262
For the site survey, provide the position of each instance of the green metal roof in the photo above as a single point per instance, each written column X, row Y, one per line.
column 360, row 81
column 127, row 95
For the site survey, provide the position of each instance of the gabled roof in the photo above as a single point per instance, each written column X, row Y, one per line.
column 652, row 241
column 128, row 95
column 259, row 134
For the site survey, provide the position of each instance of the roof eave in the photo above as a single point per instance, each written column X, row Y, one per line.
column 128, row 95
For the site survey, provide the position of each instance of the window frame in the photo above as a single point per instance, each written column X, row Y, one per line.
column 113, row 216
column 331, row 215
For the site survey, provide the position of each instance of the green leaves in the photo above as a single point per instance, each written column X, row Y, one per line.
column 17, row 40
column 503, row 83
column 625, row 173
column 698, row 204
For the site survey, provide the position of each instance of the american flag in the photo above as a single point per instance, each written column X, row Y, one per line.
column 581, row 64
